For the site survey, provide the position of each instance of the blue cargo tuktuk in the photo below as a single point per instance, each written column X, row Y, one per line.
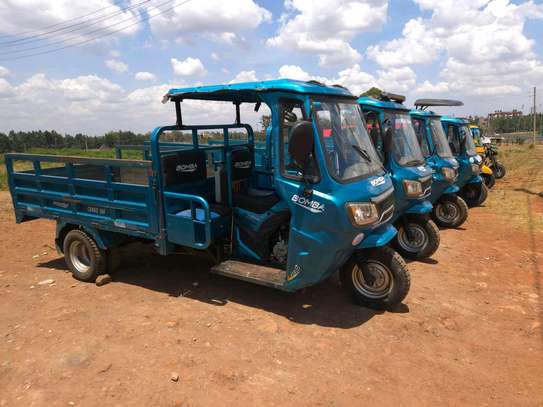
column 392, row 133
column 315, row 207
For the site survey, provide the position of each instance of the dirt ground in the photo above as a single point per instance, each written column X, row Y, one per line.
column 469, row 333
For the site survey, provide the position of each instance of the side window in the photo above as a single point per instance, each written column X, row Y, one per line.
column 452, row 138
column 291, row 112
column 373, row 126
column 420, row 131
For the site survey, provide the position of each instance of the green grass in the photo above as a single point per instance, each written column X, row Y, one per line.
column 74, row 152
column 518, row 198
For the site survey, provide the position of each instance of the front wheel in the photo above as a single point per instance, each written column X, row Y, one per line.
column 489, row 180
column 474, row 194
column 377, row 278
column 417, row 238
column 450, row 211
column 499, row 170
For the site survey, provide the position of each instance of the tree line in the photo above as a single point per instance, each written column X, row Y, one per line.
column 515, row 124
column 21, row 141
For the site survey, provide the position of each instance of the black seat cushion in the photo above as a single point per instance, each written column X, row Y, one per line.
column 255, row 200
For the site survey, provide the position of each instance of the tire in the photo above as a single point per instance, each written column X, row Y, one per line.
column 425, row 238
column 471, row 193
column 450, row 211
column 483, row 195
column 84, row 258
column 379, row 261
column 499, row 170
column 489, row 180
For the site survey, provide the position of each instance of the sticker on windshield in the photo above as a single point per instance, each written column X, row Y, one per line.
column 377, row 181
column 243, row 164
column 310, row 205
column 421, row 168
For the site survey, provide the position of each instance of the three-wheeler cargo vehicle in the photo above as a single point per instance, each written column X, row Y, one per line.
column 324, row 204
column 489, row 152
column 449, row 209
column 393, row 136
column 472, row 187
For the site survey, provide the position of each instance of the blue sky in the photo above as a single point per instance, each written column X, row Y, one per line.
column 485, row 52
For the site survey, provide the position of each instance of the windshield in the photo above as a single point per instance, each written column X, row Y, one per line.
column 469, row 145
column 404, row 145
column 476, row 136
column 349, row 152
column 440, row 140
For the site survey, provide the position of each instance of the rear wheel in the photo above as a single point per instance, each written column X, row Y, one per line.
column 450, row 211
column 489, row 179
column 377, row 278
column 84, row 258
column 417, row 238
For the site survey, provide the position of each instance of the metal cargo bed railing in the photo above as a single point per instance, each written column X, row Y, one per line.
column 116, row 194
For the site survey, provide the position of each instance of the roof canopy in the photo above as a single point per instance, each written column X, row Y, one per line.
column 438, row 102
column 250, row 92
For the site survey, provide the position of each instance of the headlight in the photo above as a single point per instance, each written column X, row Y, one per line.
column 475, row 169
column 448, row 173
column 412, row 188
column 478, row 159
column 362, row 213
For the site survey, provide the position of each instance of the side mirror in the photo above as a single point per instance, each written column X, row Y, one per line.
column 301, row 144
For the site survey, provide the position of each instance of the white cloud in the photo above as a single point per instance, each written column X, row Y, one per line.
column 4, row 72
column 145, row 76
column 325, row 28
column 245, row 76
column 397, row 79
column 217, row 18
column 215, row 56
column 482, row 42
column 5, row 88
column 29, row 15
column 428, row 87
column 293, row 72
column 188, row 67
column 116, row 66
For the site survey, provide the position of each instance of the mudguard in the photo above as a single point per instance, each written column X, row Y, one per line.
column 476, row 179
column 452, row 189
column 378, row 237
column 104, row 239
column 485, row 169
column 420, row 208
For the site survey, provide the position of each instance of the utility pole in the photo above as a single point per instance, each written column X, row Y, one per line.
column 535, row 115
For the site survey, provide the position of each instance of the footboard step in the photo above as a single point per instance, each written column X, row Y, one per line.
column 252, row 273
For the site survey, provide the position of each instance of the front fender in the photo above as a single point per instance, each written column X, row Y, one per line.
column 420, row 208
column 378, row 237
column 476, row 179
column 485, row 169
column 452, row 189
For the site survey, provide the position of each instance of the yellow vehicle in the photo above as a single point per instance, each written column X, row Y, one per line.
column 481, row 149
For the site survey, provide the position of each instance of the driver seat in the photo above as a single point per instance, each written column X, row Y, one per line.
column 243, row 195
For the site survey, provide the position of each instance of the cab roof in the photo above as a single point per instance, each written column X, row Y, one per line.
column 251, row 92
column 382, row 104
column 454, row 120
column 423, row 113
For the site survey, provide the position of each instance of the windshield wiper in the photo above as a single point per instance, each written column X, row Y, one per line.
column 364, row 154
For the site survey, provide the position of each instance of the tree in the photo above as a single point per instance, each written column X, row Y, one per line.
column 372, row 93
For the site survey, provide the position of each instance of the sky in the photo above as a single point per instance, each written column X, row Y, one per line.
column 97, row 65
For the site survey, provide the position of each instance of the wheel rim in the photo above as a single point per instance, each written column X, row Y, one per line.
column 499, row 171
column 80, row 257
column 447, row 212
column 418, row 239
column 372, row 279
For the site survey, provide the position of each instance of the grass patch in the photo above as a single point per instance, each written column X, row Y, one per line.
column 518, row 197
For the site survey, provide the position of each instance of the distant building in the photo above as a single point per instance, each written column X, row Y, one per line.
column 501, row 114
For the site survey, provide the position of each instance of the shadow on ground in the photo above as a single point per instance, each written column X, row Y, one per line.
column 324, row 304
